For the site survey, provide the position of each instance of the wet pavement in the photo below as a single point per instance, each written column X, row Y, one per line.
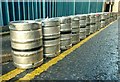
column 97, row 59
column 6, row 46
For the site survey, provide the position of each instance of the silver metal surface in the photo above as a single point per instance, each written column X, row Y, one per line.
column 66, row 41
column 23, row 40
column 92, row 23
column 49, row 22
column 65, row 27
column 64, row 20
column 51, row 32
column 87, row 25
column 75, row 38
column 51, row 47
column 24, row 25
column 75, row 24
column 92, row 28
column 82, row 33
column 25, row 60
column 26, row 42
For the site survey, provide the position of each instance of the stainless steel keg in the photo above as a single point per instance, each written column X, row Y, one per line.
column 51, row 37
column 82, row 26
column 103, row 20
column 75, row 29
column 92, row 23
column 65, row 33
column 97, row 20
column 87, row 24
column 26, row 43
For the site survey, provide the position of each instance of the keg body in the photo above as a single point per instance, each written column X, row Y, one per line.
column 26, row 43
column 65, row 33
column 66, row 41
column 52, row 47
column 103, row 22
column 82, row 27
column 51, row 37
column 75, row 29
column 97, row 20
column 87, row 25
column 92, row 23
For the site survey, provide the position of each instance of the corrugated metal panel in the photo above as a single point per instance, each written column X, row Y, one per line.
column 21, row 10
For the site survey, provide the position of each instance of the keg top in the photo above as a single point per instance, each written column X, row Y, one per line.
column 24, row 25
column 51, row 22
column 64, row 20
column 74, row 18
column 82, row 16
column 38, row 21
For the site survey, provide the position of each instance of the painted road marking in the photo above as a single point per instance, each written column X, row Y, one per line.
column 53, row 61
column 11, row 74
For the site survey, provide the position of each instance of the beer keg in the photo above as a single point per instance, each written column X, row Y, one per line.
column 65, row 33
column 87, row 24
column 26, row 43
column 51, row 37
column 82, row 26
column 103, row 20
column 92, row 23
column 75, row 29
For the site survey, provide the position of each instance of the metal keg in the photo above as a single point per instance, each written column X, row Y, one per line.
column 66, row 41
column 75, row 29
column 82, row 26
column 51, row 37
column 26, row 43
column 65, row 33
column 97, row 20
column 87, row 24
column 103, row 20
column 92, row 23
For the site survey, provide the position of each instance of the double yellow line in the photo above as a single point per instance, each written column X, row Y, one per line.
column 45, row 66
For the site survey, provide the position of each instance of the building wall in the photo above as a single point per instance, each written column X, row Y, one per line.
column 33, row 9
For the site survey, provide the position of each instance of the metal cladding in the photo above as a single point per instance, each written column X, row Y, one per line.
column 92, row 23
column 82, row 26
column 51, row 37
column 26, row 42
column 87, row 25
column 65, row 33
column 75, row 29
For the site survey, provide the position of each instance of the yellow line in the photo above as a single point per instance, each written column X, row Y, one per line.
column 53, row 61
column 11, row 74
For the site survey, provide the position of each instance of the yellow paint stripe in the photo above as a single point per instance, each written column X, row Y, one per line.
column 53, row 61
column 11, row 74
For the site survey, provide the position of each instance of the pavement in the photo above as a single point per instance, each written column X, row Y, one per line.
column 97, row 59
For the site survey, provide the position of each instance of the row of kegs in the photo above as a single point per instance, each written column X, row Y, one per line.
column 33, row 40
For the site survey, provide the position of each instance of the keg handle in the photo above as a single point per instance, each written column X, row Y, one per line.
column 11, row 27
